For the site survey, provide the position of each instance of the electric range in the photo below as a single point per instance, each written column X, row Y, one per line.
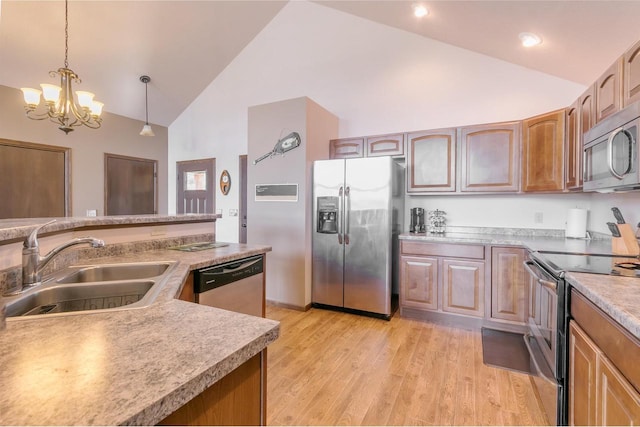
column 615, row 265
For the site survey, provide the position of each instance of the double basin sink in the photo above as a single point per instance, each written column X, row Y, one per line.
column 92, row 287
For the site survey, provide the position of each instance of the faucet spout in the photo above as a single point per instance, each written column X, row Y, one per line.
column 33, row 263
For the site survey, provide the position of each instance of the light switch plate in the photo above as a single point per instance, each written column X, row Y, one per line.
column 233, row 212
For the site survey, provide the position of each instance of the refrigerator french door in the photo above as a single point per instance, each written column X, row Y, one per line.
column 357, row 205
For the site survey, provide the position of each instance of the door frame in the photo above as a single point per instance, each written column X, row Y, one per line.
column 108, row 156
column 66, row 151
column 242, row 198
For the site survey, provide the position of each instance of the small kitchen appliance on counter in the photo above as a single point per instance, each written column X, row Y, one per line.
column 417, row 221
column 437, row 222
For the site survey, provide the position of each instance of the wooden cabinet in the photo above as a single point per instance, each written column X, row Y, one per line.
column 573, row 148
column 583, row 355
column 463, row 287
column 609, row 91
column 236, row 399
column 543, row 152
column 490, row 156
column 346, row 148
column 442, row 277
column 419, row 281
column 384, row 145
column 617, row 402
column 604, row 378
column 631, row 75
column 431, row 161
column 587, row 110
column 508, row 284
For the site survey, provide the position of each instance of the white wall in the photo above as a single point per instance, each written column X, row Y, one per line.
column 375, row 78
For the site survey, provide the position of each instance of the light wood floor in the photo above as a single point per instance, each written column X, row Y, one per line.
column 330, row 368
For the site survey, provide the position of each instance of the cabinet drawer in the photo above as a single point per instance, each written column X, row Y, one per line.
column 443, row 249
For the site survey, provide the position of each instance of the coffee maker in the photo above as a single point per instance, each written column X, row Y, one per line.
column 417, row 221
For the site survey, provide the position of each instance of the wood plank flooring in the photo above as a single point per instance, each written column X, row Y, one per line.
column 331, row 368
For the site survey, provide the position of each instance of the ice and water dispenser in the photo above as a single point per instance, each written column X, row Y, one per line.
column 327, row 216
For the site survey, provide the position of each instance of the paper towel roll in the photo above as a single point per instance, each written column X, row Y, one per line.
column 576, row 223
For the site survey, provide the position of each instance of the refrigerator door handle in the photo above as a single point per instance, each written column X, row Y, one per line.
column 347, row 208
column 340, row 209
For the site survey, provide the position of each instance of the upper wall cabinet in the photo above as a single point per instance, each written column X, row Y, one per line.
column 431, row 161
column 609, row 91
column 543, row 152
column 631, row 73
column 490, row 157
column 587, row 110
column 384, row 145
column 346, row 148
column 573, row 148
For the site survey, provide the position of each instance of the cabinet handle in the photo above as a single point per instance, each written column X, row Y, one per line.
column 610, row 152
column 340, row 209
column 546, row 283
column 347, row 203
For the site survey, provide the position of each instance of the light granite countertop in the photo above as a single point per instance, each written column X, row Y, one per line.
column 130, row 367
column 11, row 229
column 619, row 297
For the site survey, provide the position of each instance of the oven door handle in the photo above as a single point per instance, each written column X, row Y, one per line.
column 533, row 358
column 546, row 283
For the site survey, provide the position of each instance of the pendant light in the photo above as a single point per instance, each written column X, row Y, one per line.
column 146, row 129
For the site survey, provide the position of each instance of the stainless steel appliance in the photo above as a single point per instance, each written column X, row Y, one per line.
column 235, row 286
column 358, row 211
column 549, row 316
column 417, row 224
column 611, row 152
column 545, row 338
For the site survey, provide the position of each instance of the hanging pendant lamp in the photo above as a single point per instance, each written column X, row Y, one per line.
column 146, row 129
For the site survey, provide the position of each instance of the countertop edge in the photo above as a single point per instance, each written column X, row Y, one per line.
column 11, row 229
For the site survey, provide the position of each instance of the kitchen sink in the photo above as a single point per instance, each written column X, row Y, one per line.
column 103, row 273
column 79, row 297
column 91, row 288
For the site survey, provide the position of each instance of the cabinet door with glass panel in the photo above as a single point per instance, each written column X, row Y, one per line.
column 431, row 161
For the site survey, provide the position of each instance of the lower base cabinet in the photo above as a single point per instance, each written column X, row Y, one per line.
column 603, row 369
column 464, row 284
column 236, row 399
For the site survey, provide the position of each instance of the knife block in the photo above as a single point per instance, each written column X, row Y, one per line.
column 626, row 244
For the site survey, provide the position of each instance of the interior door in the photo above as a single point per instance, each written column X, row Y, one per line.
column 34, row 182
column 195, row 189
column 131, row 185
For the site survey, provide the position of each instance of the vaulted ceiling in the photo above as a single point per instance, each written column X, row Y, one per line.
column 184, row 45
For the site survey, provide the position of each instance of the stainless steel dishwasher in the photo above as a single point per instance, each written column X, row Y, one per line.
column 235, row 286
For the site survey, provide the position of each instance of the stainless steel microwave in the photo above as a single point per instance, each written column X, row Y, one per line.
column 611, row 153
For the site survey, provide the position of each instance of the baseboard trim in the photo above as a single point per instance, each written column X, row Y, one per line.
column 459, row 321
column 287, row 305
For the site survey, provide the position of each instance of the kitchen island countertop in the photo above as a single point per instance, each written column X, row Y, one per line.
column 131, row 367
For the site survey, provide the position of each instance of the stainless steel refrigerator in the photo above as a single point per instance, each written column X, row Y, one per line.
column 358, row 213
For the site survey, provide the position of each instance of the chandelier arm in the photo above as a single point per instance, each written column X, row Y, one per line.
column 31, row 113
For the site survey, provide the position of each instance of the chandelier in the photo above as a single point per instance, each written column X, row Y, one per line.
column 60, row 105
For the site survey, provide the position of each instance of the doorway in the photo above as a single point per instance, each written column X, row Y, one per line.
column 130, row 185
column 35, row 180
column 194, row 189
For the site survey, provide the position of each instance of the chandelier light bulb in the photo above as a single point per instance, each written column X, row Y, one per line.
column 50, row 93
column 31, row 96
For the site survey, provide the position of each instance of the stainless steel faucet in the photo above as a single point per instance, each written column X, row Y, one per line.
column 33, row 263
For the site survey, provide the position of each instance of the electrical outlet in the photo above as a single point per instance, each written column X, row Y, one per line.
column 537, row 217
column 233, row 212
column 159, row 230
column 92, row 212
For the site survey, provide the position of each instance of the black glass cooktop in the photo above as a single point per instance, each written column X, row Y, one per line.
column 618, row 265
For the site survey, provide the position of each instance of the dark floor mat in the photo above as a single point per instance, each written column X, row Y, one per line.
column 505, row 350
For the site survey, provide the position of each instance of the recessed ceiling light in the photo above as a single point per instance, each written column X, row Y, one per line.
column 529, row 39
column 419, row 10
